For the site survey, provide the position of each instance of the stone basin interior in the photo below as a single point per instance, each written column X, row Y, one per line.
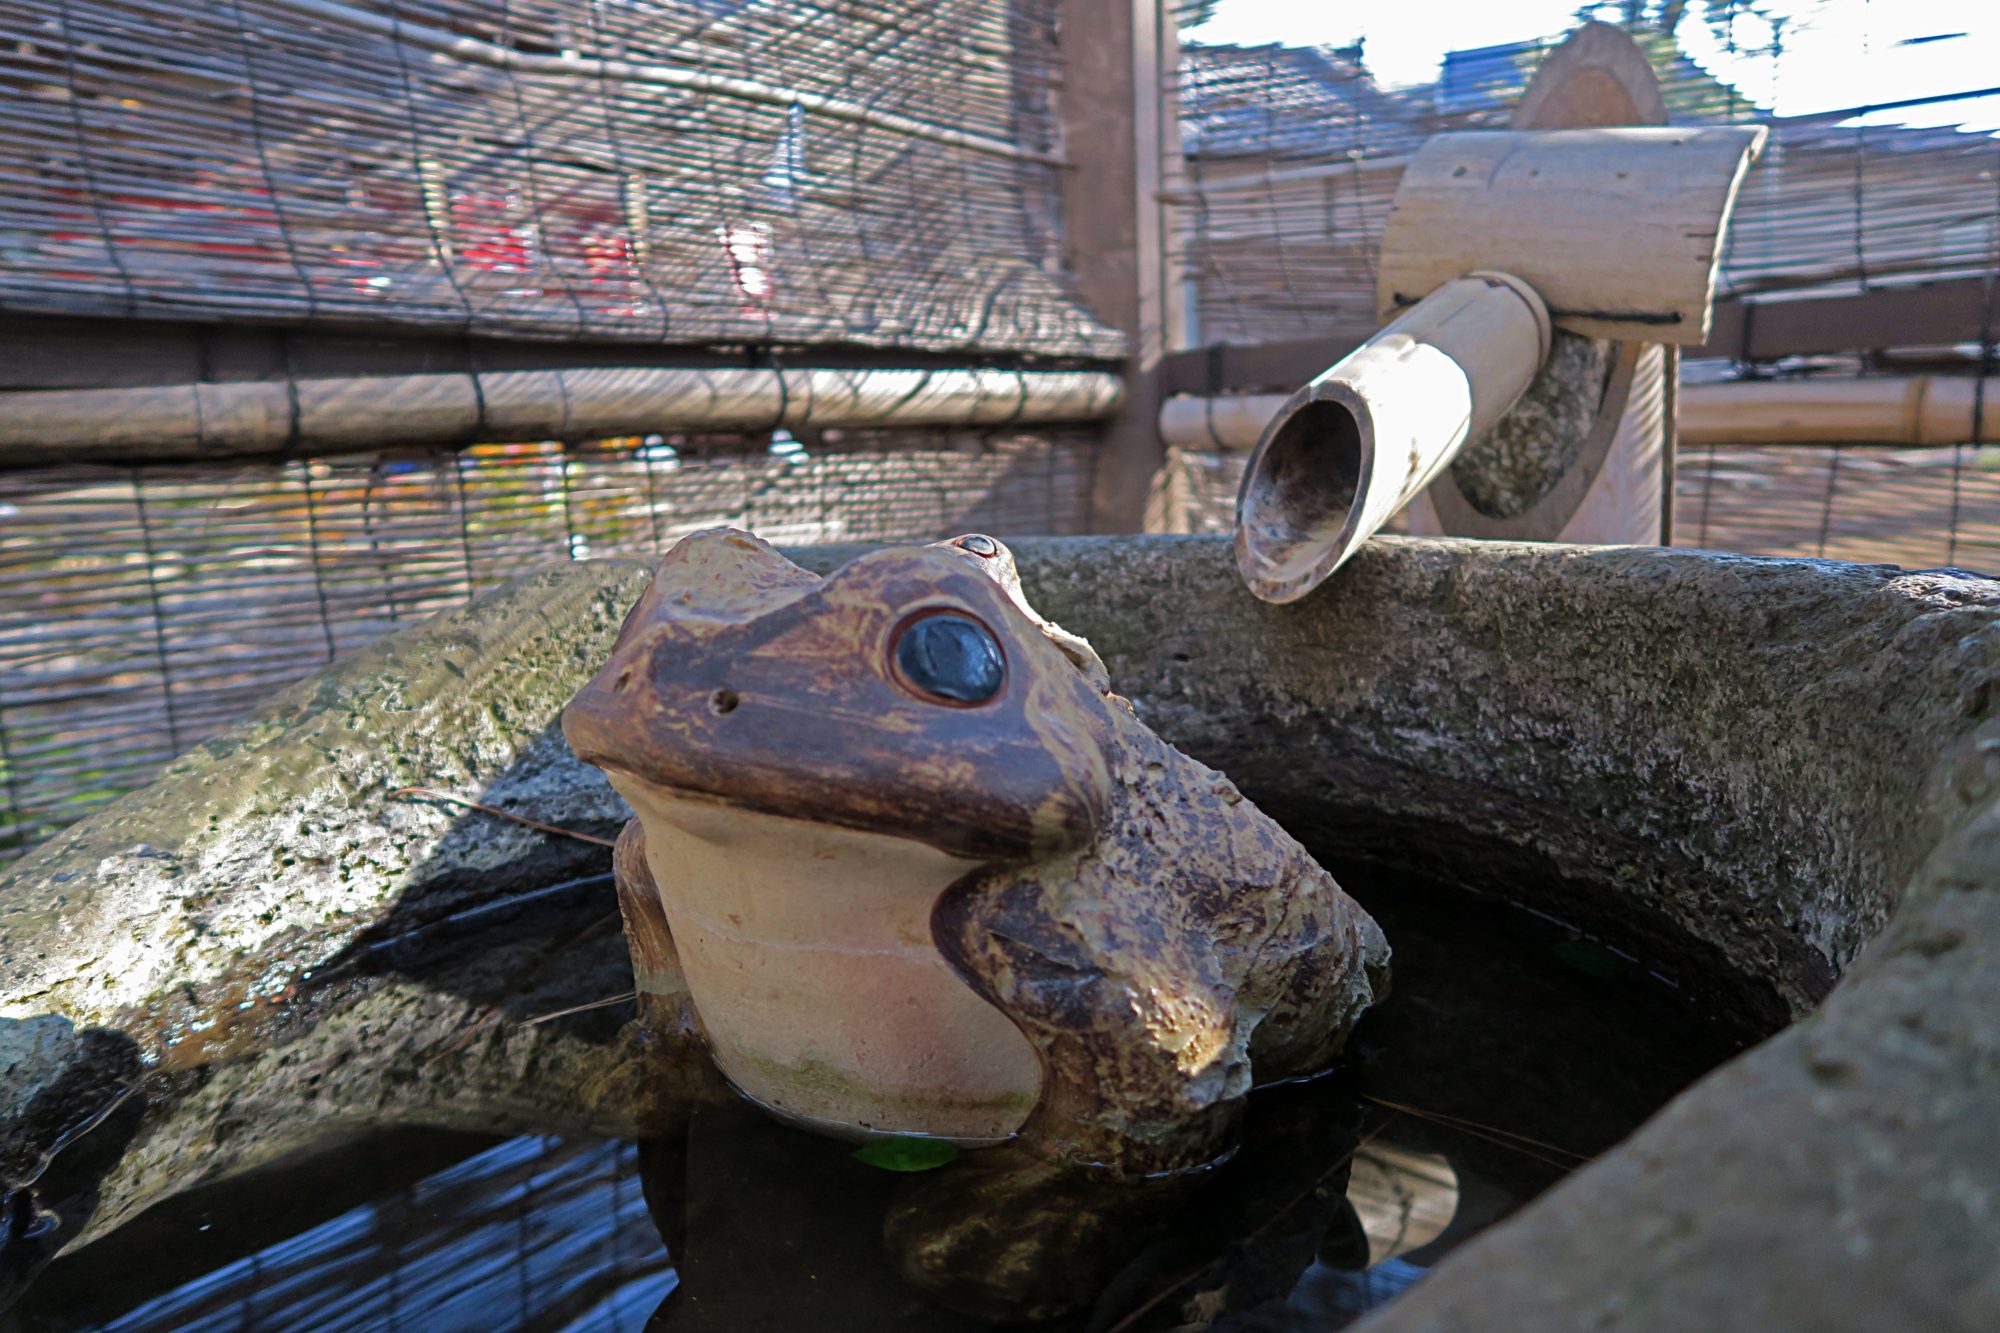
column 1512, row 1049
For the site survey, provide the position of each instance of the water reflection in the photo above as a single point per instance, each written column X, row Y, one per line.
column 538, row 1233
column 1344, row 1191
column 746, row 1224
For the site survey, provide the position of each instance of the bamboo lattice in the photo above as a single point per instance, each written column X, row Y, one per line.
column 1293, row 156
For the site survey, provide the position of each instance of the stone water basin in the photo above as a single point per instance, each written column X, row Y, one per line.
column 1755, row 795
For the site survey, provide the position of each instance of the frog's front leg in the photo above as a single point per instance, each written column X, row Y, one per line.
column 665, row 1007
column 1144, row 1066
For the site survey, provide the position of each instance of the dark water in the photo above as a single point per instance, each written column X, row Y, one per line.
column 1511, row 1051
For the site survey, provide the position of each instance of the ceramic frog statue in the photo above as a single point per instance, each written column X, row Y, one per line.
column 915, row 870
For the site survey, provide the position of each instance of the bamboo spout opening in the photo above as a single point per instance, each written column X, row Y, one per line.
column 1298, row 499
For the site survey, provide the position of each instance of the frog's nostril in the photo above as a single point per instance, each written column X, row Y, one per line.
column 723, row 701
column 624, row 681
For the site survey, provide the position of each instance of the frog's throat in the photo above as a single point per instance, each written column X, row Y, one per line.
column 807, row 950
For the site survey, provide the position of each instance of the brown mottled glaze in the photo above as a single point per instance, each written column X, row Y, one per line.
column 1158, row 941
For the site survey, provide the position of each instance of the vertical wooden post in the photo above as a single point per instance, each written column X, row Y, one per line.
column 1119, row 127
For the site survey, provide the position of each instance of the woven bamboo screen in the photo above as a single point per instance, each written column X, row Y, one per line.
column 879, row 173
column 737, row 178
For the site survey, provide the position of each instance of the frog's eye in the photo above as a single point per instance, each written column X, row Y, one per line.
column 980, row 545
column 949, row 658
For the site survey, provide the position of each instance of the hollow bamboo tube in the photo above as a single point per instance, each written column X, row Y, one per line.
column 1361, row 440
column 332, row 415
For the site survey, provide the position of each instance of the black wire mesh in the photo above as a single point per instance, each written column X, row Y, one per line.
column 143, row 609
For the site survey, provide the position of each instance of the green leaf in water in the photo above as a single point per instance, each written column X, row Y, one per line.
column 1593, row 960
column 907, row 1154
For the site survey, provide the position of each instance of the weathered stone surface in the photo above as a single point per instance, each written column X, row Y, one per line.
column 1843, row 1176
column 1732, row 747
column 267, row 879
column 1507, row 470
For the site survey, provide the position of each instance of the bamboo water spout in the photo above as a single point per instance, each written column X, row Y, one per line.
column 1494, row 237
column 1364, row 438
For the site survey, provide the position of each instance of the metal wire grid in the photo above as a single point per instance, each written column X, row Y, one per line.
column 144, row 609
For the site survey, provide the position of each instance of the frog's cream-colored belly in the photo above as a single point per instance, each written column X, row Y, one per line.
column 808, row 952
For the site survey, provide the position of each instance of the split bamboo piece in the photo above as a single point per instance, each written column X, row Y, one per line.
column 1618, row 230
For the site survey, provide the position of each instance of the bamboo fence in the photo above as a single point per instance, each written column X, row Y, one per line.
column 736, row 177
column 1276, row 222
column 882, row 173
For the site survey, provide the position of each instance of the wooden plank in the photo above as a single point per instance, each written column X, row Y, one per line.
column 1117, row 130
column 1616, row 228
column 1924, row 314
column 1276, row 366
column 1931, row 314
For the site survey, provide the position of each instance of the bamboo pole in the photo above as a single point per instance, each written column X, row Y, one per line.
column 1901, row 409
column 1916, row 410
column 332, row 415
column 1618, row 229
column 1354, row 446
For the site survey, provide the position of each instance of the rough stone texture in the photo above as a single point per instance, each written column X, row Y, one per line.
column 1506, row 471
column 267, row 879
column 1843, row 1176
column 1631, row 738
column 1645, row 742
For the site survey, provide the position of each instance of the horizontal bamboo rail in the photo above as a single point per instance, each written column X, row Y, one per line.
column 356, row 414
column 1891, row 410
column 1900, row 409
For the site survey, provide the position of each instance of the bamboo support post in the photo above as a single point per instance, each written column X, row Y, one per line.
column 1914, row 410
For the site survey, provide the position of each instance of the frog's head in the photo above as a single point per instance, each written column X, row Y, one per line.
column 905, row 694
